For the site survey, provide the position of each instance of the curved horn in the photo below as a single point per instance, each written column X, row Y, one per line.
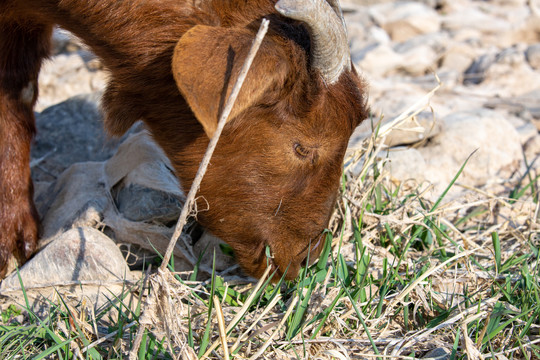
column 337, row 8
column 330, row 50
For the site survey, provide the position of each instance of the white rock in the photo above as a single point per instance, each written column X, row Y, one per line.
column 405, row 164
column 473, row 18
column 458, row 56
column 78, row 255
column 389, row 98
column 404, row 20
column 64, row 76
column 378, row 60
column 505, row 79
column 418, row 61
column 497, row 143
column 379, row 35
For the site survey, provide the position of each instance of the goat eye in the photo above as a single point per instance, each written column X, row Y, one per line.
column 300, row 151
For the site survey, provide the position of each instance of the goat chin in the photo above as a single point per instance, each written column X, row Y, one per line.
column 274, row 175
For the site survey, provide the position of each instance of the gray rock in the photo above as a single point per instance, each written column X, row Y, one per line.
column 60, row 41
column 475, row 74
column 93, row 194
column 435, row 41
column 139, row 203
column 67, row 133
column 79, row 255
column 438, row 354
column 533, row 56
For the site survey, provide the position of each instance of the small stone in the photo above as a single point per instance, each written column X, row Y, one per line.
column 405, row 20
column 418, row 61
column 438, row 354
column 472, row 18
column 475, row 74
column 459, row 56
column 533, row 56
column 378, row 60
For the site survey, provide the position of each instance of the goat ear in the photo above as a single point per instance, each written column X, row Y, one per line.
column 206, row 63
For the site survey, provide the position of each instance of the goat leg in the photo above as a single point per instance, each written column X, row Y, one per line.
column 23, row 46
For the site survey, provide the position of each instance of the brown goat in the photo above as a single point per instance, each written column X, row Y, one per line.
column 274, row 175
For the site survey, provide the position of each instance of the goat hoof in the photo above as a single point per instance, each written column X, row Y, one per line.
column 18, row 235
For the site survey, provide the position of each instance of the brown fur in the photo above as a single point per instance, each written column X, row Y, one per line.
column 275, row 172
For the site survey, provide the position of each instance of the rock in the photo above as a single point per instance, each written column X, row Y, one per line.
column 503, row 73
column 533, row 56
column 469, row 17
column 406, row 164
column 436, row 41
column 528, row 31
column 475, row 74
column 438, row 354
column 511, row 79
column 418, row 61
column 82, row 196
column 495, row 140
column 458, row 56
column 67, row 75
column 526, row 106
column 70, row 132
column 378, row 35
column 527, row 130
column 377, row 60
column 390, row 101
column 405, row 20
column 134, row 198
column 78, row 255
column 60, row 41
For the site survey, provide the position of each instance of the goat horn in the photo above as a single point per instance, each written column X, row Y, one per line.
column 330, row 50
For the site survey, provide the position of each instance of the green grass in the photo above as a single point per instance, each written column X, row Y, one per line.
column 399, row 275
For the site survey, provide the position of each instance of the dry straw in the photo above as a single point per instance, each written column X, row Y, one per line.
column 161, row 279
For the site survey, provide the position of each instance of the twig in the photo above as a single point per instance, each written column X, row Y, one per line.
column 188, row 205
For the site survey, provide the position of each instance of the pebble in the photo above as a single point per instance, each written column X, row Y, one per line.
column 533, row 56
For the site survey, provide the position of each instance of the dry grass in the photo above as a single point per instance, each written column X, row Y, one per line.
column 404, row 275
